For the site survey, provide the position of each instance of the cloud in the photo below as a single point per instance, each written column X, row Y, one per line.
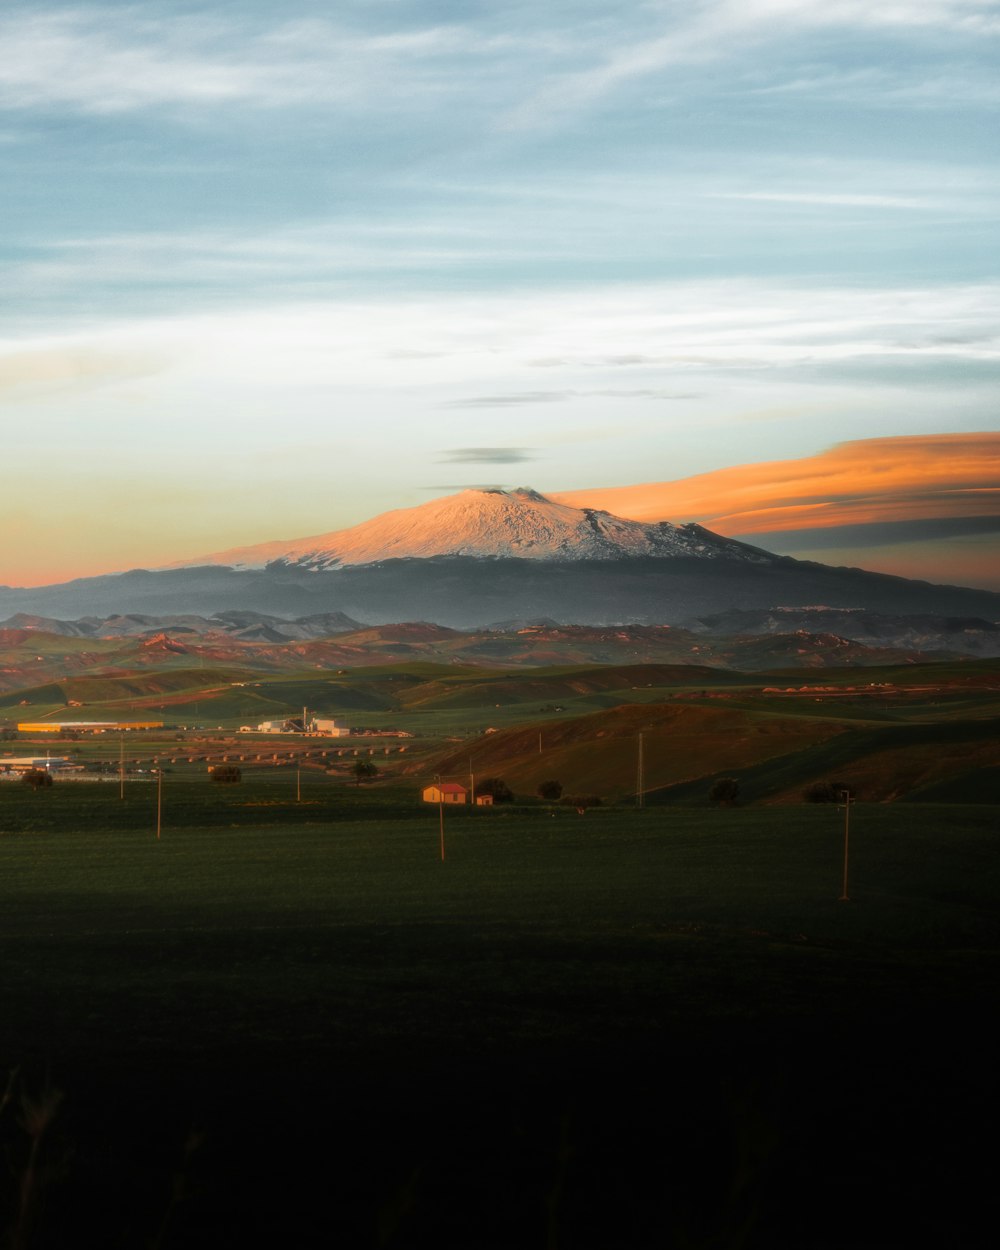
column 924, row 506
column 45, row 370
column 716, row 29
column 513, row 399
column 945, row 89
column 104, row 63
column 476, row 236
column 881, row 533
column 679, row 342
column 450, row 487
column 700, row 323
column 864, row 482
column 830, row 199
column 509, row 400
column 487, row 455
column 528, row 72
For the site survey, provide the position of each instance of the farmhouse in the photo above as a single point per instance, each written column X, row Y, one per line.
column 446, row 792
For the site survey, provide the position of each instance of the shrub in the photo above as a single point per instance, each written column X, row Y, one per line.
column 363, row 770
column 725, row 790
column 37, row 778
column 826, row 792
column 497, row 787
column 550, row 790
column 226, row 774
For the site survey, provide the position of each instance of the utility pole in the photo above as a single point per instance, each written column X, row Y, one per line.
column 847, row 831
column 159, row 801
column 639, row 778
column 441, row 815
column 121, row 767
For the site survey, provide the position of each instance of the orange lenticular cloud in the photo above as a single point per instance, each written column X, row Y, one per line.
column 864, row 510
column 879, row 480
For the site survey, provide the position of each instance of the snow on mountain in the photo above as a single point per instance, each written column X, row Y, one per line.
column 489, row 524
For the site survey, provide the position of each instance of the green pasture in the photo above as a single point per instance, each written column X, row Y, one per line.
column 441, row 701
column 950, row 761
column 293, row 1023
column 189, row 799
column 254, row 908
column 286, row 1020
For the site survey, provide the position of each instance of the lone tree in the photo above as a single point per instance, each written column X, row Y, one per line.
column 725, row 790
column 826, row 792
column 226, row 775
column 550, row 790
column 497, row 787
column 37, row 778
column 363, row 770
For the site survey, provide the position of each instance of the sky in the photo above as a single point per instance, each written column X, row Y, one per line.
column 269, row 269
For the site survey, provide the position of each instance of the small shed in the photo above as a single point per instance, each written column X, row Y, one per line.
column 484, row 800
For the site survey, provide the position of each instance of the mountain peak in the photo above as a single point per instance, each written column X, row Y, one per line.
column 491, row 524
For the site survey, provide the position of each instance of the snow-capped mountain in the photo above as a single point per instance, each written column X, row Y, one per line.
column 492, row 555
column 489, row 524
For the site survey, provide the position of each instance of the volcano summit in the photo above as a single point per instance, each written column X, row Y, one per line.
column 490, row 524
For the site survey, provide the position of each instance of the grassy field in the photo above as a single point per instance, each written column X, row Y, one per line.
column 441, row 700
column 916, row 731
column 631, row 1028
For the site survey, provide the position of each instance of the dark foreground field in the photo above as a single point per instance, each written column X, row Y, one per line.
column 634, row 1028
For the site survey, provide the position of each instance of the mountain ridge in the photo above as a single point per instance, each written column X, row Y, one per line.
column 572, row 565
column 486, row 523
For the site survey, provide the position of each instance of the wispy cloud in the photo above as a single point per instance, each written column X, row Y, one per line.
column 514, row 399
column 442, row 488
column 831, row 198
column 488, row 455
column 879, row 86
column 511, row 400
column 458, row 347
column 102, row 61
column 976, row 17
column 715, row 29
column 106, row 60
column 81, row 367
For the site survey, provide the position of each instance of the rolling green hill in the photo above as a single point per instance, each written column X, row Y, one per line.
column 597, row 754
column 890, row 732
column 775, row 750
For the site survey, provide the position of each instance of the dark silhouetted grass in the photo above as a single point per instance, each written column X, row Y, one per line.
column 628, row 1028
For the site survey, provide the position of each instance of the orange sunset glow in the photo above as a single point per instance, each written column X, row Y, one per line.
column 893, row 504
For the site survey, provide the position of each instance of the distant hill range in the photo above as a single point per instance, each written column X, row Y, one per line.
column 487, row 556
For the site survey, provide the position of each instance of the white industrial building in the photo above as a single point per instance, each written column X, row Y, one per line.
column 37, row 763
column 320, row 726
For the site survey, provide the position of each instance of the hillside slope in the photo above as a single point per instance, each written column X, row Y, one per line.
column 597, row 754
